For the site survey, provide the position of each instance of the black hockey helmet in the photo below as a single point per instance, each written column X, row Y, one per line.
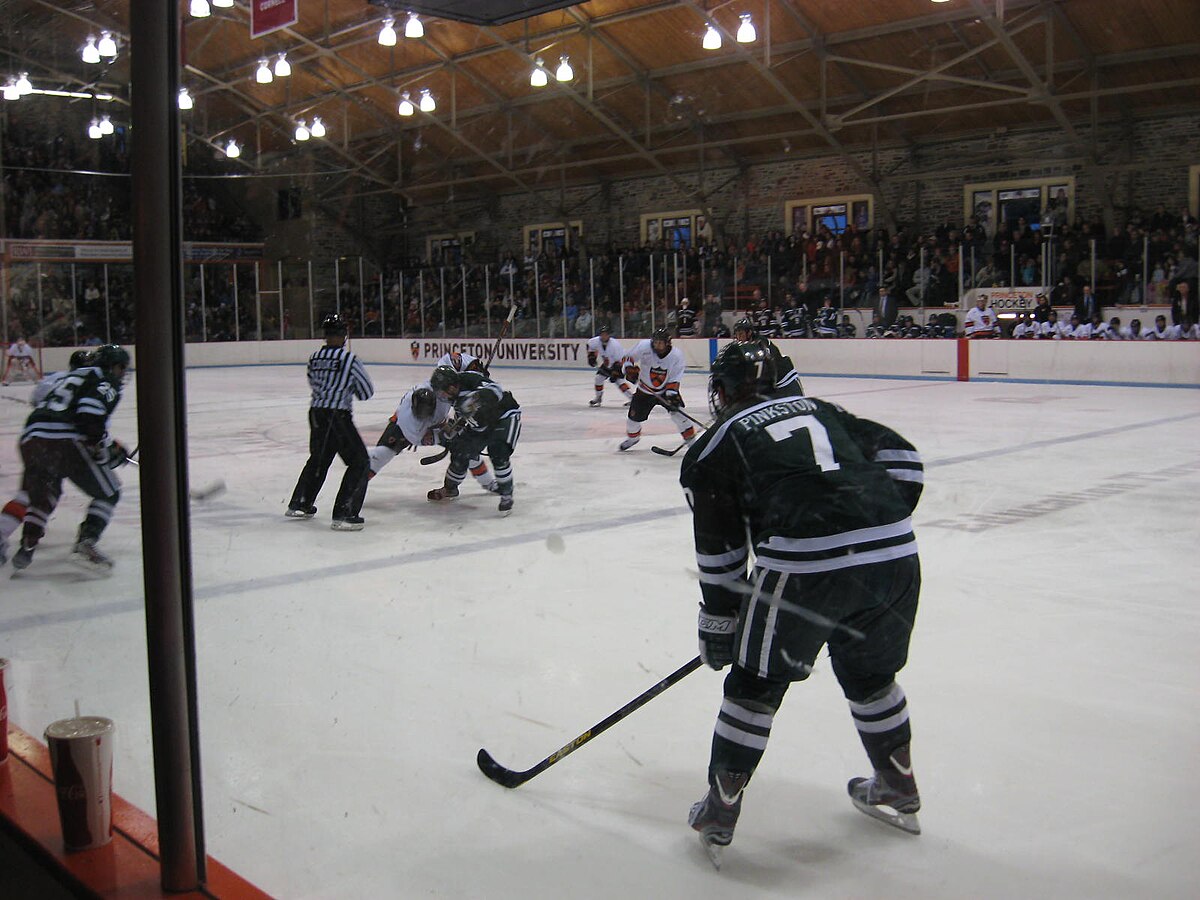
column 605, row 328
column 424, row 402
column 79, row 359
column 442, row 379
column 740, row 371
column 743, row 326
column 333, row 325
column 661, row 335
column 110, row 356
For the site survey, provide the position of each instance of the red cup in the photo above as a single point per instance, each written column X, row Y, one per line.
column 81, row 751
column 3, row 713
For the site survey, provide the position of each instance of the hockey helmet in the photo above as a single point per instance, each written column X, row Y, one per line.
column 661, row 336
column 740, row 371
column 605, row 328
column 110, row 356
column 79, row 359
column 743, row 330
column 424, row 402
column 333, row 325
column 443, row 379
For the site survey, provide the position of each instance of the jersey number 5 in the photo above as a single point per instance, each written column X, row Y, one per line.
column 818, row 438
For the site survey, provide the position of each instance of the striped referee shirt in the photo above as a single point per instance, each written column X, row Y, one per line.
column 336, row 377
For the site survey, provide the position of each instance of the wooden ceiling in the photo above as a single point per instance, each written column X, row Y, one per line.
column 822, row 77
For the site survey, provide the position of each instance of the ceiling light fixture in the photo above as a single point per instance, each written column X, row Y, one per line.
column 94, row 131
column 413, row 27
column 406, row 108
column 283, row 68
column 263, row 75
column 223, row 4
column 106, row 125
column 89, row 53
column 318, row 127
column 199, row 9
column 428, row 104
column 185, row 99
column 712, row 38
column 24, row 85
column 746, row 33
column 387, row 34
column 232, row 150
column 107, row 47
column 537, row 77
column 564, row 72
column 302, row 132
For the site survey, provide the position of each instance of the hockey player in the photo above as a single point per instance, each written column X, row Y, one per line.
column 486, row 415
column 79, row 359
column 20, row 356
column 66, row 437
column 785, row 370
column 461, row 362
column 981, row 321
column 824, row 501
column 656, row 368
column 826, row 322
column 685, row 319
column 336, row 377
column 418, row 415
column 606, row 351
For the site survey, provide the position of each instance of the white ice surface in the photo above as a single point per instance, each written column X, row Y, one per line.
column 347, row 680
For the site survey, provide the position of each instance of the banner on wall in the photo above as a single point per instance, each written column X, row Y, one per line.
column 120, row 251
column 271, row 15
column 1006, row 299
column 512, row 351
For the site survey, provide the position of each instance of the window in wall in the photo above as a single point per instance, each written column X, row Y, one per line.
column 447, row 249
column 677, row 229
column 1044, row 203
column 834, row 213
column 553, row 237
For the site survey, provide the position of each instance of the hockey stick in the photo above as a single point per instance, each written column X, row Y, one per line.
column 510, row 779
column 204, row 493
column 512, row 313
column 662, row 452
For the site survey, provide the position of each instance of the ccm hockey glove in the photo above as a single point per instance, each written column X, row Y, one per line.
column 632, row 373
column 592, row 357
column 717, row 636
column 672, row 399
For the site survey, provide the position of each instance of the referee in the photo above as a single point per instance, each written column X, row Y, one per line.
column 336, row 377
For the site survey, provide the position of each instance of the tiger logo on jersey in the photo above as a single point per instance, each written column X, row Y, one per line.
column 658, row 377
column 415, row 347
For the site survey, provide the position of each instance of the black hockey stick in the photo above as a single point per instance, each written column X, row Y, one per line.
column 512, row 313
column 510, row 779
column 204, row 493
column 662, row 452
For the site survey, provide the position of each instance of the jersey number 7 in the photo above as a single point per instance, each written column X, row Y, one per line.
column 818, row 438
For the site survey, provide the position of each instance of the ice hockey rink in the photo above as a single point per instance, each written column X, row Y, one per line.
column 347, row 680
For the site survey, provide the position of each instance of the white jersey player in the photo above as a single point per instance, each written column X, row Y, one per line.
column 981, row 321
column 1158, row 332
column 461, row 362
column 606, row 352
column 20, row 356
column 657, row 368
column 415, row 423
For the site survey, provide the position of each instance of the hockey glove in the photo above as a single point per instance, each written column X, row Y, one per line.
column 672, row 400
column 592, row 357
column 632, row 373
column 717, row 636
column 614, row 374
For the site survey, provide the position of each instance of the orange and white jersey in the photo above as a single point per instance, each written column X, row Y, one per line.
column 980, row 322
column 656, row 374
column 609, row 354
column 416, row 427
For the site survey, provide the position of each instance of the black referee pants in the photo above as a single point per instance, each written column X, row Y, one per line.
column 332, row 433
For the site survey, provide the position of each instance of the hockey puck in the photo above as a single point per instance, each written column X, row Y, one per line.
column 209, row 491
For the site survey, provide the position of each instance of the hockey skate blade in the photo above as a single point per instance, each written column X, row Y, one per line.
column 906, row 822
column 713, row 851
column 496, row 772
column 92, row 570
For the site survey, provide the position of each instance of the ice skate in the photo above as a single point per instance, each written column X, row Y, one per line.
column 85, row 556
column 715, row 815
column 506, row 504
column 628, row 442
column 23, row 557
column 890, row 796
column 301, row 512
column 596, row 401
column 445, row 492
column 348, row 523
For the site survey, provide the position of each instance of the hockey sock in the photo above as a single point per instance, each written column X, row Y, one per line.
column 688, row 433
column 633, row 429
column 99, row 514
column 380, row 457
column 739, row 739
column 13, row 514
column 504, row 476
column 882, row 723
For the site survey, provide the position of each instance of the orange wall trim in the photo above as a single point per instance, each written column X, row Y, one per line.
column 127, row 867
